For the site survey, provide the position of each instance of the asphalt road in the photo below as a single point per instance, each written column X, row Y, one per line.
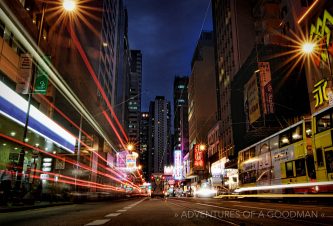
column 174, row 211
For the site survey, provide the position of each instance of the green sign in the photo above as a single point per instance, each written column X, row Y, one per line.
column 41, row 81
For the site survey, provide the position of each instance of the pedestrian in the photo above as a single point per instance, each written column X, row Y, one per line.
column 6, row 182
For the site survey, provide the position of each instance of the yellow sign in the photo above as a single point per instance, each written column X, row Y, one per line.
column 319, row 92
column 251, row 99
column 323, row 31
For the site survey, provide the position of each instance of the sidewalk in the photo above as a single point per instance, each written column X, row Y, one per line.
column 11, row 208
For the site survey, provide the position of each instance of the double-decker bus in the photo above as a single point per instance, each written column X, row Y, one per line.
column 322, row 142
column 281, row 163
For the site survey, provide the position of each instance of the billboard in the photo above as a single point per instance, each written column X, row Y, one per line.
column 251, row 99
column 168, row 170
column 178, row 175
column 198, row 163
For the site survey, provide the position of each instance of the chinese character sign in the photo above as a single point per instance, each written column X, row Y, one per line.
column 319, row 92
column 178, row 164
column 198, row 158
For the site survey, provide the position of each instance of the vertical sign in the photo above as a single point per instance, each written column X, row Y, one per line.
column 198, row 158
column 251, row 99
column 178, row 164
column 25, row 72
column 130, row 162
column 121, row 159
column 266, row 87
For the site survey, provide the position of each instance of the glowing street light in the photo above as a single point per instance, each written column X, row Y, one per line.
column 202, row 147
column 69, row 5
column 308, row 47
column 130, row 147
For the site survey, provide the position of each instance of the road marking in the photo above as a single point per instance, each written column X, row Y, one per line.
column 113, row 215
column 255, row 207
column 121, row 210
column 128, row 207
column 97, row 222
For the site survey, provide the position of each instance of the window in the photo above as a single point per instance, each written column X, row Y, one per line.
column 289, row 169
column 300, row 167
column 329, row 161
column 320, row 159
column 323, row 122
column 297, row 133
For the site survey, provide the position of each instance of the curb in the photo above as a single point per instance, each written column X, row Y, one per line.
column 22, row 208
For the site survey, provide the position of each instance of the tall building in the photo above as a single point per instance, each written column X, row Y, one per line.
column 134, row 102
column 144, row 140
column 159, row 135
column 80, row 68
column 180, row 103
column 234, row 39
column 201, row 94
column 123, row 68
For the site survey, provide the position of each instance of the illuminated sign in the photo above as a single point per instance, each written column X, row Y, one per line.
column 168, row 170
column 319, row 92
column 131, row 161
column 14, row 107
column 110, row 160
column 198, row 163
column 322, row 31
column 121, row 159
column 178, row 165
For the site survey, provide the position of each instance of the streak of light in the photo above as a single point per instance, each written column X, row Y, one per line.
column 28, row 43
column 93, row 74
column 277, row 196
column 109, row 120
column 282, row 186
column 307, row 12
column 83, row 166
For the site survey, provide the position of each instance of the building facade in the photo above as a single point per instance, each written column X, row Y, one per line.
column 144, row 141
column 159, row 135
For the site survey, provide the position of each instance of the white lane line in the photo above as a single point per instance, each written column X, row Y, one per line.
column 128, row 207
column 97, row 222
column 121, row 211
column 253, row 207
column 113, row 215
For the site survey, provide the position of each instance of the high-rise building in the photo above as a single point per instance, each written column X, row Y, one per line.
column 201, row 94
column 123, row 68
column 134, row 102
column 159, row 135
column 234, row 39
column 180, row 103
column 144, row 139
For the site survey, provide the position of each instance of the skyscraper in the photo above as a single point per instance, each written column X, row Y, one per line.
column 134, row 102
column 201, row 93
column 144, row 138
column 180, row 101
column 159, row 135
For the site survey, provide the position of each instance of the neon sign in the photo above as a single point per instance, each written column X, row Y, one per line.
column 319, row 92
column 198, row 158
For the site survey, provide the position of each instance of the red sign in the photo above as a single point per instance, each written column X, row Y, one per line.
column 198, row 158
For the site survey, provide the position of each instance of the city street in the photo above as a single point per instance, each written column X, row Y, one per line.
column 174, row 211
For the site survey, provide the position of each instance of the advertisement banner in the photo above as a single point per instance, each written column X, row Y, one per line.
column 130, row 162
column 25, row 72
column 251, row 99
column 178, row 165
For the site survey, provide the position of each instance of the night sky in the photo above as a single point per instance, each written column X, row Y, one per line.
column 166, row 31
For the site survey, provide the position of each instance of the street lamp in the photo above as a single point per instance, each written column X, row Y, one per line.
column 69, row 5
column 308, row 47
column 202, row 147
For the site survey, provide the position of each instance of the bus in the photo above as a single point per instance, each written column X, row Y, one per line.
column 157, row 185
column 280, row 163
column 322, row 124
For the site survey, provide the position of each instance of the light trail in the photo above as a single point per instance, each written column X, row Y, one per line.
column 307, row 12
column 67, row 160
column 29, row 44
column 93, row 74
